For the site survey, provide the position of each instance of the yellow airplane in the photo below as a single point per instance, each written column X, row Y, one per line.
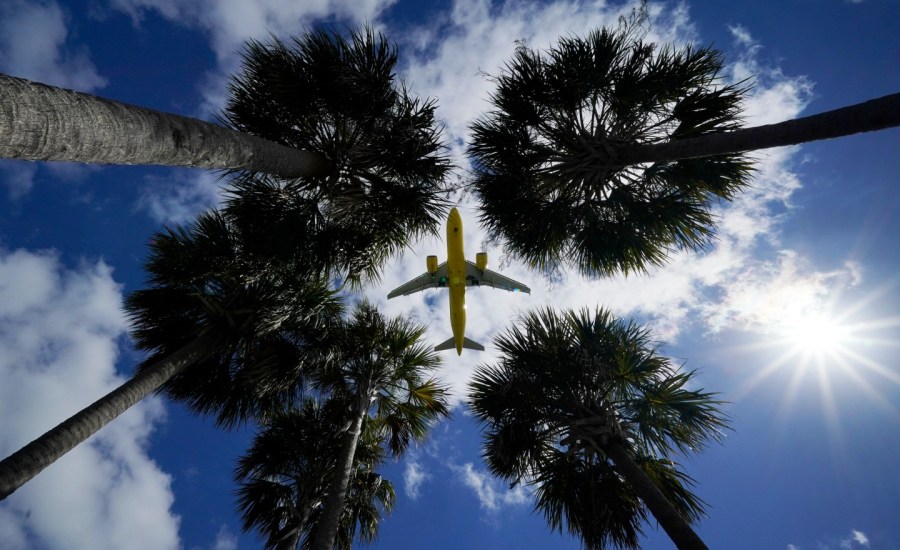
column 456, row 274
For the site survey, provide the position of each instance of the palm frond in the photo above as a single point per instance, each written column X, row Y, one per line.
column 565, row 385
column 283, row 477
column 545, row 156
column 339, row 96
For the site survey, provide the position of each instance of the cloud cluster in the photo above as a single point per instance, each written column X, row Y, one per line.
column 60, row 330
column 707, row 291
column 856, row 539
column 491, row 492
column 35, row 44
column 413, row 477
column 229, row 23
column 179, row 197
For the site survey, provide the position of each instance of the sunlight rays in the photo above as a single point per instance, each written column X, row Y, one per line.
column 828, row 354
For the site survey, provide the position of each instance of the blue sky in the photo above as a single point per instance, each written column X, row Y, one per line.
column 812, row 462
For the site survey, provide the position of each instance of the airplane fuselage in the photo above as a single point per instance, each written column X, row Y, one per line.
column 456, row 278
column 455, row 275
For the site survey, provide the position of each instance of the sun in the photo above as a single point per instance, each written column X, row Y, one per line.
column 823, row 349
column 816, row 334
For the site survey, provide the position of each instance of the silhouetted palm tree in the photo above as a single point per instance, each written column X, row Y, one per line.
column 284, row 476
column 241, row 294
column 581, row 406
column 339, row 96
column 239, row 320
column 378, row 366
column 604, row 153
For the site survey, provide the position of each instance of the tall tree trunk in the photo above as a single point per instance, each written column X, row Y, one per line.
column 27, row 462
column 290, row 540
column 40, row 122
column 326, row 531
column 869, row 116
column 674, row 525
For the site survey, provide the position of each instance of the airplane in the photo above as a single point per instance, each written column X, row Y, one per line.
column 456, row 274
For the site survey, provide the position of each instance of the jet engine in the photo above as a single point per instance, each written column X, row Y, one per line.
column 431, row 263
column 481, row 260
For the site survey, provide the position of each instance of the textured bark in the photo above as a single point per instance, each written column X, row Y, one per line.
column 326, row 532
column 869, row 116
column 27, row 462
column 672, row 523
column 40, row 122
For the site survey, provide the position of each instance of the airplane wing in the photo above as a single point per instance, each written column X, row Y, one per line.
column 476, row 277
column 423, row 281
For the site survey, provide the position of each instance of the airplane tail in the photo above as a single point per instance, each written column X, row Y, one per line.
column 451, row 344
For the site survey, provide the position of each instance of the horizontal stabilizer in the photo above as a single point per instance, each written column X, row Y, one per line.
column 451, row 344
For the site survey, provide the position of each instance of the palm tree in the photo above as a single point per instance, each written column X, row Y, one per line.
column 240, row 321
column 339, row 96
column 283, row 477
column 378, row 366
column 41, row 122
column 235, row 296
column 604, row 153
column 326, row 111
column 583, row 407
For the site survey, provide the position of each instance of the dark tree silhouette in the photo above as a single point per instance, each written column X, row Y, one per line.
column 379, row 366
column 582, row 407
column 605, row 153
column 284, row 476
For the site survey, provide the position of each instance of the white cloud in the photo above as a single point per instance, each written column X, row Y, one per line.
column 776, row 293
column 59, row 330
column 413, row 477
column 491, row 492
column 792, row 547
column 858, row 537
column 448, row 58
column 775, row 97
column 225, row 540
column 229, row 23
column 179, row 197
column 34, row 45
column 17, row 176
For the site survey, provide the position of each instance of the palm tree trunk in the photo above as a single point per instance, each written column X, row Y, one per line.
column 290, row 540
column 328, row 524
column 672, row 523
column 869, row 116
column 40, row 122
column 27, row 462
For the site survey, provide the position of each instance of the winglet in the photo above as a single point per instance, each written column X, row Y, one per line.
column 451, row 344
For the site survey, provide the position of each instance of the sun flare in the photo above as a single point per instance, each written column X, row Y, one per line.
column 832, row 346
column 816, row 334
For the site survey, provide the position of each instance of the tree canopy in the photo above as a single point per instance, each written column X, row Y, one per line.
column 546, row 157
